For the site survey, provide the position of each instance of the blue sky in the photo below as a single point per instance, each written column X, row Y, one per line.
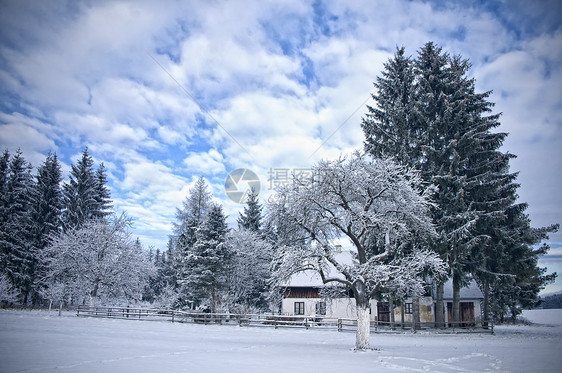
column 165, row 92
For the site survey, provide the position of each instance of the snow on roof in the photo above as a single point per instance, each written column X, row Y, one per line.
column 472, row 291
column 310, row 278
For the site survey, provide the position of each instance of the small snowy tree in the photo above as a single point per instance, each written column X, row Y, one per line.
column 251, row 218
column 99, row 258
column 379, row 207
column 248, row 272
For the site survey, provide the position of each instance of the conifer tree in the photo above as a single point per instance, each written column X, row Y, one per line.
column 16, row 240
column 390, row 128
column 103, row 195
column 85, row 195
column 48, row 197
column 207, row 260
column 46, row 211
column 4, row 171
column 189, row 219
column 80, row 193
column 251, row 218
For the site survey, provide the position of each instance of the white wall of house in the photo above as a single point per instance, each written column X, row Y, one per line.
column 343, row 308
column 427, row 310
column 335, row 308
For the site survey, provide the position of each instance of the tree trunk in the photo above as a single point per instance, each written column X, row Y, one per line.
column 439, row 305
column 362, row 337
column 402, row 313
column 415, row 313
column 486, row 305
column 391, row 308
column 456, row 298
column 94, row 293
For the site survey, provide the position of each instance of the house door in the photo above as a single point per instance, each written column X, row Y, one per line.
column 383, row 311
column 467, row 313
column 466, row 310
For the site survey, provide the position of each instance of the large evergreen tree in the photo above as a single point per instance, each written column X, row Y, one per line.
column 16, row 237
column 46, row 211
column 435, row 121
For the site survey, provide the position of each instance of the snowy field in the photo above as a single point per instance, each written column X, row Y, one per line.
column 32, row 341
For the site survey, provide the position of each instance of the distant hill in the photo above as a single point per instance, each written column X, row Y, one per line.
column 551, row 301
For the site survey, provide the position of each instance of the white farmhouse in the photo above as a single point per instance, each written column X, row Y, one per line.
column 302, row 296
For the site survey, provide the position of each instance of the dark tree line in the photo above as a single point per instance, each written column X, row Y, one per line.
column 36, row 208
column 428, row 116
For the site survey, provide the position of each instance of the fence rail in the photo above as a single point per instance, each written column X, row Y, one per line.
column 269, row 320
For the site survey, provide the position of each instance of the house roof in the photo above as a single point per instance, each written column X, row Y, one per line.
column 472, row 291
column 310, row 278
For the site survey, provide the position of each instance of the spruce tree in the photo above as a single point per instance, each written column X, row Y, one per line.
column 80, row 193
column 195, row 206
column 85, row 195
column 251, row 218
column 46, row 211
column 103, row 195
column 47, row 199
column 189, row 219
column 207, row 260
column 390, row 128
column 508, row 273
column 16, row 240
column 4, row 171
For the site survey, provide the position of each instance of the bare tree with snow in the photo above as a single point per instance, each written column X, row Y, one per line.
column 97, row 259
column 379, row 207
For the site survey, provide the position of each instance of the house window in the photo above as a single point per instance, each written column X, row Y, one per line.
column 299, row 308
column 408, row 308
column 321, row 308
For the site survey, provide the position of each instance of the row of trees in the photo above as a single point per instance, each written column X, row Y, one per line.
column 59, row 241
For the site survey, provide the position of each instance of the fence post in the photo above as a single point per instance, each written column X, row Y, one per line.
column 172, row 316
column 339, row 325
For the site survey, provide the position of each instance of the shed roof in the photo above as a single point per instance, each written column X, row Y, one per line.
column 472, row 291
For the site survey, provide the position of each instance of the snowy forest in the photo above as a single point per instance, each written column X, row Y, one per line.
column 430, row 197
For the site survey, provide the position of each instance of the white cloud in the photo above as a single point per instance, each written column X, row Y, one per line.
column 208, row 163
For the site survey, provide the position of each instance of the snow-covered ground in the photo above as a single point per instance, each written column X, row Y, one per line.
column 40, row 342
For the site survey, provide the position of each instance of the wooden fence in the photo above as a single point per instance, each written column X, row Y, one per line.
column 267, row 320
